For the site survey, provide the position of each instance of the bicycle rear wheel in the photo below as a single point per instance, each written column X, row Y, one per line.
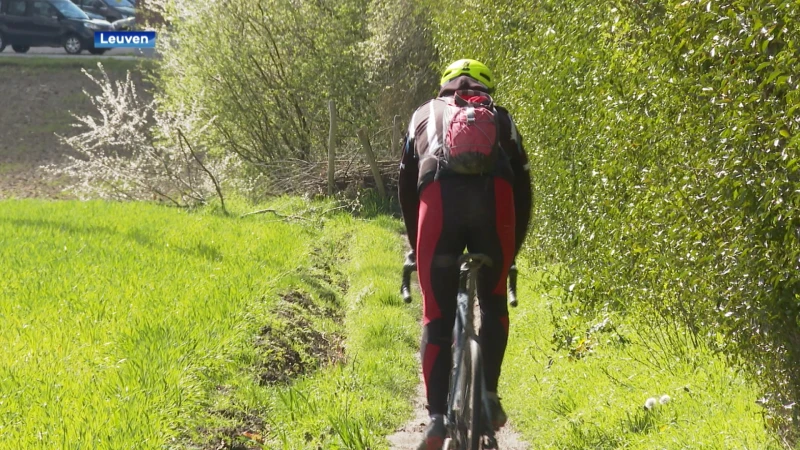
column 461, row 403
column 475, row 397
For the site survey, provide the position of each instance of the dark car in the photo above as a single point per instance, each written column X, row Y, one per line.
column 111, row 10
column 48, row 23
column 128, row 24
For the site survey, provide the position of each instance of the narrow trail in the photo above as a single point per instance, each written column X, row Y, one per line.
column 409, row 435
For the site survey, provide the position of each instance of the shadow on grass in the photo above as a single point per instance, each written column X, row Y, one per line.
column 141, row 237
column 371, row 205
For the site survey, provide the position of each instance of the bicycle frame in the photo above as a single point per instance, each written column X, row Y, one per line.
column 464, row 334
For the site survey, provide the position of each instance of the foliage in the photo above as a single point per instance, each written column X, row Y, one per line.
column 401, row 61
column 135, row 151
column 665, row 161
column 266, row 70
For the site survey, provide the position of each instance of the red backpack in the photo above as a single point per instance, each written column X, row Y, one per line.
column 470, row 134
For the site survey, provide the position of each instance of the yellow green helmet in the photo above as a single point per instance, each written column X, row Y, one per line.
column 469, row 67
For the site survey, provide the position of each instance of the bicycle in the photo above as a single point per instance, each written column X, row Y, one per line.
column 468, row 417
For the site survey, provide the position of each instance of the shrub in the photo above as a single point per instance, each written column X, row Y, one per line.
column 266, row 70
column 664, row 154
column 134, row 151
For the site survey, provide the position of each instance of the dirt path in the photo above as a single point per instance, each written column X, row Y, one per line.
column 410, row 434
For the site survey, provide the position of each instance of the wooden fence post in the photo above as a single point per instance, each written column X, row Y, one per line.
column 331, row 147
column 395, row 136
column 376, row 173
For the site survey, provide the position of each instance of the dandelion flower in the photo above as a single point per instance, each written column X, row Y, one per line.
column 650, row 403
column 664, row 399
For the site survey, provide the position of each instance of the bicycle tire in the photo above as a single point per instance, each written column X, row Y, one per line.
column 475, row 397
column 461, row 402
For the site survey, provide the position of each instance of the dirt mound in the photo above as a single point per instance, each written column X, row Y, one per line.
column 291, row 345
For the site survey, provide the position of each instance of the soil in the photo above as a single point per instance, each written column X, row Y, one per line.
column 410, row 434
column 291, row 345
column 36, row 106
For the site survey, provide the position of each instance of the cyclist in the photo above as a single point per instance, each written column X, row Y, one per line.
column 464, row 182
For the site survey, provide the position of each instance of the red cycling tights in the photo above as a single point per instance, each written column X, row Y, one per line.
column 476, row 213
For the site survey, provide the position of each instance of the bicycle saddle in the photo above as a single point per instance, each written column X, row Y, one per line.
column 474, row 260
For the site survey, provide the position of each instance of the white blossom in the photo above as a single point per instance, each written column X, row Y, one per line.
column 134, row 150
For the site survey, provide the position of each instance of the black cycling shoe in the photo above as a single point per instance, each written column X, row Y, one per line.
column 433, row 438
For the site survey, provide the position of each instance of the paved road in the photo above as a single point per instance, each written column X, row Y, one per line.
column 58, row 52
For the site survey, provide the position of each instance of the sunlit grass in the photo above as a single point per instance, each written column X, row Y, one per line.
column 597, row 400
column 354, row 404
column 116, row 317
column 133, row 326
column 137, row 326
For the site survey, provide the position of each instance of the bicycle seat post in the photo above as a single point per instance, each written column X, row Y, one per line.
column 470, row 264
column 474, row 261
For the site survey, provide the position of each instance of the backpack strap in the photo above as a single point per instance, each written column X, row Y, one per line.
column 470, row 112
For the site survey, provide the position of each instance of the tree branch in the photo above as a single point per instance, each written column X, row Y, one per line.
column 205, row 169
column 264, row 211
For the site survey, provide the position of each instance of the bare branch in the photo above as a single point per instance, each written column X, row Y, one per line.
column 264, row 211
column 211, row 175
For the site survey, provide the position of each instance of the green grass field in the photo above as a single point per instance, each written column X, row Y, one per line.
column 133, row 326
column 139, row 326
column 116, row 317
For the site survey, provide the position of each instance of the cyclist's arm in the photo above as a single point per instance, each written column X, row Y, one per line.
column 523, row 192
column 407, row 189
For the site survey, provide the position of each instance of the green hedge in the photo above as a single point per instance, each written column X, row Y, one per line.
column 664, row 153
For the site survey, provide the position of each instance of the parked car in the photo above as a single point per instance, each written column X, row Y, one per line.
column 95, row 16
column 111, row 10
column 127, row 24
column 48, row 23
